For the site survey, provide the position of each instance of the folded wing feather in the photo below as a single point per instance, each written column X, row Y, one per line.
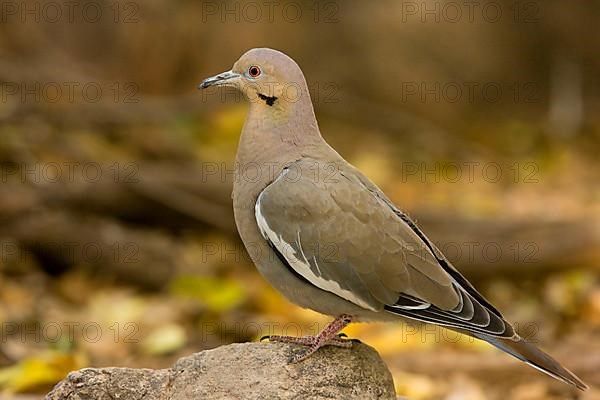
column 339, row 232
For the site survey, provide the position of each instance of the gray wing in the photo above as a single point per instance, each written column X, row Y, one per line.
column 337, row 230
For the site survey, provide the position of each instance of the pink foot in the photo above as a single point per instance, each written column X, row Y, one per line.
column 327, row 337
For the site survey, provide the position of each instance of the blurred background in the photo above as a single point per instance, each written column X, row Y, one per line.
column 117, row 242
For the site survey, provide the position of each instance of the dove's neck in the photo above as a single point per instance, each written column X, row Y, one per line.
column 279, row 133
column 272, row 138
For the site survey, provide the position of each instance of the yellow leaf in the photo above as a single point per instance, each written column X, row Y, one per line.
column 217, row 294
column 164, row 340
column 39, row 371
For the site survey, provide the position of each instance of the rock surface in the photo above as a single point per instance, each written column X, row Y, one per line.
column 240, row 371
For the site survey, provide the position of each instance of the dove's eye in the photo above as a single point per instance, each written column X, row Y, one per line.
column 254, row 71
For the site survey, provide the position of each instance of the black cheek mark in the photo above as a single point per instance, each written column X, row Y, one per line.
column 269, row 100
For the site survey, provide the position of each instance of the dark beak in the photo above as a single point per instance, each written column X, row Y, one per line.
column 218, row 80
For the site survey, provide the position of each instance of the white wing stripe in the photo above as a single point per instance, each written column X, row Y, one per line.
column 303, row 267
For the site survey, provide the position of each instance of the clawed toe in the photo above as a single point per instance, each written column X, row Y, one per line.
column 295, row 358
column 302, row 340
column 345, row 343
column 327, row 337
column 302, row 355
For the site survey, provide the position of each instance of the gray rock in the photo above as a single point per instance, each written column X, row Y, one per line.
column 245, row 371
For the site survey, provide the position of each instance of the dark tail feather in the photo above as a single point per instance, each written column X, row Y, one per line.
column 527, row 352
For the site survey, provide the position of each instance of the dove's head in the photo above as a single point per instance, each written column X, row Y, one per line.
column 267, row 77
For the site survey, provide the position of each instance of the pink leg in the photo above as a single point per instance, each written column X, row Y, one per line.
column 328, row 336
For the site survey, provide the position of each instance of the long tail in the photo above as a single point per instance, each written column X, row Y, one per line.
column 527, row 352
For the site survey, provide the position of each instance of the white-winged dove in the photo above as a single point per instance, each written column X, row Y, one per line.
column 329, row 239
